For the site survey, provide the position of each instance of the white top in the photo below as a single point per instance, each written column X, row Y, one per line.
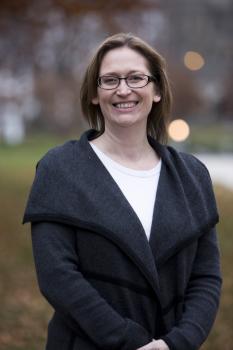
column 138, row 186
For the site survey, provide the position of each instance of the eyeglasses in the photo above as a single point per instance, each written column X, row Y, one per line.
column 134, row 81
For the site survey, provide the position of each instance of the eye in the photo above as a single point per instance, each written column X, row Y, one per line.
column 109, row 80
column 136, row 78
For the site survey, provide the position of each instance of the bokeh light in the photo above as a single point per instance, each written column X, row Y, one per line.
column 193, row 60
column 178, row 130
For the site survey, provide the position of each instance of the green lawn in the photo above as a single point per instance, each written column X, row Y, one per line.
column 217, row 138
column 24, row 313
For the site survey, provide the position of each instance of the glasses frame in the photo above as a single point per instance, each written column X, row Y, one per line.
column 150, row 79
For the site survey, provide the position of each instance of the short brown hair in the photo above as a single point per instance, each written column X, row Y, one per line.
column 160, row 112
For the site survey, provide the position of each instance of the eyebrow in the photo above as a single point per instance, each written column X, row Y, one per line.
column 128, row 73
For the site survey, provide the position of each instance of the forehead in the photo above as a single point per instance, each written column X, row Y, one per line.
column 123, row 60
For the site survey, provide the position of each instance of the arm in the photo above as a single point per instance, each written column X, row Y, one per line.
column 73, row 297
column 201, row 298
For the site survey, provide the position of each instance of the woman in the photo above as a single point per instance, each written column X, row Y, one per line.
column 123, row 227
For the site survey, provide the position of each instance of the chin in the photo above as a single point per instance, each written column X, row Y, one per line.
column 127, row 122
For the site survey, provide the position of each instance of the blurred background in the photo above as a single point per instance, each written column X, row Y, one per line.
column 44, row 48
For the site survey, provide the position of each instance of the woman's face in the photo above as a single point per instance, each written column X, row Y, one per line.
column 125, row 106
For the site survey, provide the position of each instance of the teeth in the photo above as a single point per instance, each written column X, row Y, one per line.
column 125, row 105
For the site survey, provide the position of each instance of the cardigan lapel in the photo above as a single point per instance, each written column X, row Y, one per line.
column 172, row 224
column 184, row 208
column 113, row 216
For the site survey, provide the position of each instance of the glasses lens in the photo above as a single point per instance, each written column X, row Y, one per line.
column 108, row 82
column 137, row 80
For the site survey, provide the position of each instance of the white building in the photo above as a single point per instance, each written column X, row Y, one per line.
column 17, row 104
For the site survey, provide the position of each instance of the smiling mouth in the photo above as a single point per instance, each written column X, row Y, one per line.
column 122, row 105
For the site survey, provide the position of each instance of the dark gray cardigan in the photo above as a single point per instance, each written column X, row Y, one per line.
column 109, row 286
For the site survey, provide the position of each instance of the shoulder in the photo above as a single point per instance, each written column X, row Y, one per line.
column 59, row 156
column 193, row 177
column 71, row 157
column 197, row 166
column 187, row 163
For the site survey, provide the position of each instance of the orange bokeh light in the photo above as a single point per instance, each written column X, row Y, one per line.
column 193, row 60
column 178, row 130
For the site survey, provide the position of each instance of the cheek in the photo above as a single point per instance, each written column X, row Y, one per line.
column 105, row 108
column 149, row 100
column 103, row 104
column 104, row 101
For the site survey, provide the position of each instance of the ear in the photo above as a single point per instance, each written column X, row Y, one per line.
column 157, row 98
column 95, row 101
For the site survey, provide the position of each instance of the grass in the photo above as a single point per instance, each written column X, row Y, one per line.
column 211, row 138
column 24, row 313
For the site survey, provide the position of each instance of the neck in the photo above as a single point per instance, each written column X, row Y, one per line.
column 127, row 144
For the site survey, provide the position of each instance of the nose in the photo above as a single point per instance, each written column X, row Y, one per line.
column 123, row 88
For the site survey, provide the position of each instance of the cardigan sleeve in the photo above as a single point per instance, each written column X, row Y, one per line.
column 72, row 295
column 201, row 297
